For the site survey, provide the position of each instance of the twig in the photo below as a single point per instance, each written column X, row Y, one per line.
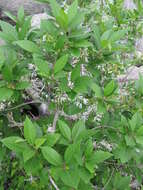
column 108, row 181
column 55, row 120
column 53, row 128
column 12, row 122
column 53, row 183
column 21, row 105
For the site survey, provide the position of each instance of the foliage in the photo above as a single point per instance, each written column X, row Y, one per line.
column 92, row 133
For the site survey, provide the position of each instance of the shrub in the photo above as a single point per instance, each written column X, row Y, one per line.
column 65, row 120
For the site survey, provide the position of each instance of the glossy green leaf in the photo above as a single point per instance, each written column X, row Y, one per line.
column 77, row 130
column 22, row 85
column 83, row 44
column 71, row 177
column 64, row 129
column 9, row 30
column 100, row 156
column 97, row 37
column 82, row 84
column 5, row 94
column 28, row 153
column 29, row 131
column 28, row 46
column 72, row 11
column 39, row 141
column 20, row 15
column 117, row 35
column 60, row 63
column 97, row 90
column 52, row 156
column 109, row 88
column 11, row 16
column 52, row 139
column 42, row 66
column 55, row 8
column 14, row 143
column 77, row 21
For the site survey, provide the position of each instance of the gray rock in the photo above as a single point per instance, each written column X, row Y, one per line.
column 30, row 6
column 129, row 5
column 37, row 18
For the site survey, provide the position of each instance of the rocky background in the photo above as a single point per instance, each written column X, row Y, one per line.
column 31, row 7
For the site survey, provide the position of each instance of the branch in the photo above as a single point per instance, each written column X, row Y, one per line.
column 12, row 122
column 108, row 181
column 22, row 105
column 53, row 128
column 53, row 183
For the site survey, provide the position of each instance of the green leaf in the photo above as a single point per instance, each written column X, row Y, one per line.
column 89, row 148
column 42, row 66
column 72, row 11
column 49, row 27
column 22, row 85
column 106, row 35
column 79, row 18
column 52, row 156
column 29, row 131
column 52, row 139
column 6, row 37
column 97, row 37
column 118, row 35
column 63, row 20
column 25, row 28
column 13, row 143
column 129, row 141
column 10, row 30
column 85, row 175
column 82, row 44
column 100, row 156
column 5, row 94
column 60, row 63
column 40, row 141
column 69, row 153
column 97, row 89
column 12, row 17
column 33, row 166
column 28, row 153
column 82, row 84
column 77, row 130
column 139, row 136
column 84, row 186
column 28, row 46
column 121, row 182
column 64, row 129
column 136, row 121
column 71, row 177
column 75, row 73
column 140, row 131
column 55, row 8
column 20, row 15
column 109, row 88
column 79, row 34
column 73, row 154
column 124, row 153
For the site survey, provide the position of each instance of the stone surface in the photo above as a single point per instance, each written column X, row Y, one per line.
column 30, row 6
column 129, row 5
column 36, row 19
